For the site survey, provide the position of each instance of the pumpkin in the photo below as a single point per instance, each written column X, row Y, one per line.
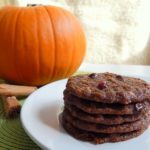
column 39, row 44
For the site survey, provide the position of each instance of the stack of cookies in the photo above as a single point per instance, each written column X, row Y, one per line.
column 106, row 107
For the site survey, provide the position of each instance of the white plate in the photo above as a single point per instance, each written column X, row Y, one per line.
column 40, row 119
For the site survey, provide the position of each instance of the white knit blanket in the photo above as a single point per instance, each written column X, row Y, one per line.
column 117, row 31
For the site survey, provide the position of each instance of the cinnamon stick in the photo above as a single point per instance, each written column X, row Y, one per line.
column 16, row 90
column 9, row 93
column 11, row 106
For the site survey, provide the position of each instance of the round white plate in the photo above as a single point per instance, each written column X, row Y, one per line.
column 40, row 119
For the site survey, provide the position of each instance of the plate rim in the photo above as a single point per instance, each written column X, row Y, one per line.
column 27, row 100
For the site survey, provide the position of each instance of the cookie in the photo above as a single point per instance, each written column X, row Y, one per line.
column 109, row 88
column 100, row 128
column 103, row 119
column 99, row 138
column 105, row 108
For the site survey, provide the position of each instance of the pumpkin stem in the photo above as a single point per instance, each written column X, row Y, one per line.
column 32, row 5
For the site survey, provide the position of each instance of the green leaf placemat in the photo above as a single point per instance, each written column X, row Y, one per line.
column 12, row 134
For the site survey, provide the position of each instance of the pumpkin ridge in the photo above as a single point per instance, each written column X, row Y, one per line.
column 1, row 19
column 55, row 48
column 15, row 43
column 72, row 52
column 38, row 41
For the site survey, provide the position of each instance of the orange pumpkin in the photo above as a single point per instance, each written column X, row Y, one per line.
column 39, row 44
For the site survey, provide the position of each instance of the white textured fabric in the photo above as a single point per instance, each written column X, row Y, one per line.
column 117, row 31
column 8, row 2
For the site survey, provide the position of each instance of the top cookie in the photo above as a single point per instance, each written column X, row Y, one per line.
column 109, row 88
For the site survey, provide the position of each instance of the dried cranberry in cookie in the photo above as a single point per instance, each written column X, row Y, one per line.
column 102, row 85
column 92, row 75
